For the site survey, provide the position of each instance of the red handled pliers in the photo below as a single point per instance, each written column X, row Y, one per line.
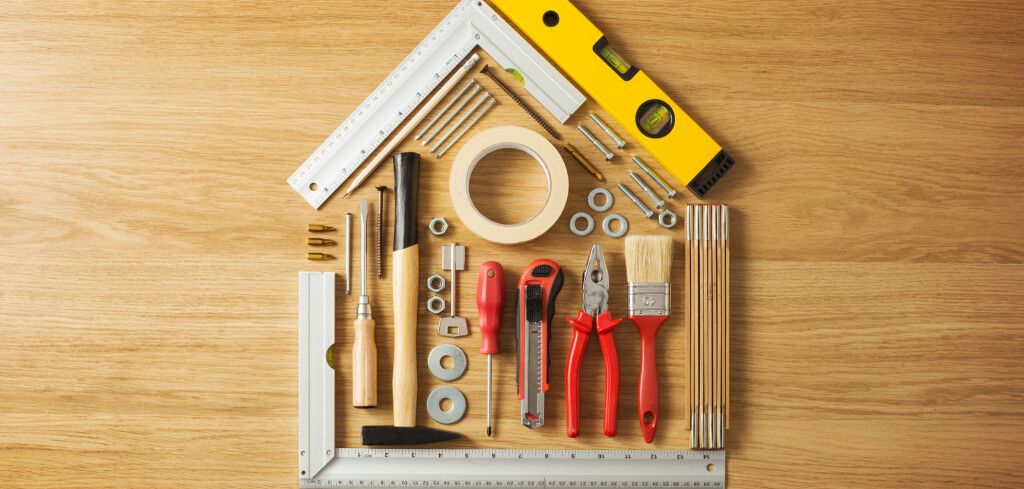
column 595, row 309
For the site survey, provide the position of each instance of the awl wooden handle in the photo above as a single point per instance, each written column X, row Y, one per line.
column 364, row 365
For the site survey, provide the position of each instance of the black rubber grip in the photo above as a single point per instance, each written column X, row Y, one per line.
column 407, row 175
column 710, row 174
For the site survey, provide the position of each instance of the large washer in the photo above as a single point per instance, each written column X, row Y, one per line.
column 458, row 362
column 440, row 394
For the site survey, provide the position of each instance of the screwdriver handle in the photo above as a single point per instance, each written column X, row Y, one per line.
column 364, row 365
column 490, row 304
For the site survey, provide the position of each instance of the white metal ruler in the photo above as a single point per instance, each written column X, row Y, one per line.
column 472, row 23
column 423, row 467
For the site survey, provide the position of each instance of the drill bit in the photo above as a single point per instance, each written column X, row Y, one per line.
column 319, row 256
column 519, row 102
column 319, row 242
column 381, row 189
column 320, row 228
column 584, row 162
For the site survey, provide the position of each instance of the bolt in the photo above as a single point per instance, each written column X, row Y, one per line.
column 643, row 208
column 671, row 192
column 607, row 130
column 607, row 154
column 658, row 202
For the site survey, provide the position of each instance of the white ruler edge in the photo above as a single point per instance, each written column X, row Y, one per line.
column 361, row 467
column 470, row 23
column 316, row 377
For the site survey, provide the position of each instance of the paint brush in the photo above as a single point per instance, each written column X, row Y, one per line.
column 648, row 267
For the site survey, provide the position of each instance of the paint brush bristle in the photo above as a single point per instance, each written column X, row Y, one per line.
column 648, row 259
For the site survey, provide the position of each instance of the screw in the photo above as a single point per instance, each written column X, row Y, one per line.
column 643, row 208
column 381, row 189
column 658, row 202
column 519, row 102
column 607, row 154
column 671, row 192
column 607, row 130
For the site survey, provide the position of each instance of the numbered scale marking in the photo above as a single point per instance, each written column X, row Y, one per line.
column 360, row 467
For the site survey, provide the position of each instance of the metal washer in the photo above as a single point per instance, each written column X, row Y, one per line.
column 608, row 199
column 440, row 394
column 606, row 225
column 581, row 232
column 458, row 362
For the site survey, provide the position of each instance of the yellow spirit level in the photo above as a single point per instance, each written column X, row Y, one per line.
column 622, row 90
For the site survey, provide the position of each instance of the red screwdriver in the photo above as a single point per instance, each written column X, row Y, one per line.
column 490, row 305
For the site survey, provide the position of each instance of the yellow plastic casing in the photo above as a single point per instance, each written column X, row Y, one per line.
column 686, row 151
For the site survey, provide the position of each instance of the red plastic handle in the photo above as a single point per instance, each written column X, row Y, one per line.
column 582, row 325
column 605, row 327
column 490, row 304
column 647, row 402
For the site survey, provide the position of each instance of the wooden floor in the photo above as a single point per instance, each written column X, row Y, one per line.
column 149, row 244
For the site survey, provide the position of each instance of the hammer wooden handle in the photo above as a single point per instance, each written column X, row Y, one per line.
column 405, row 286
column 405, row 278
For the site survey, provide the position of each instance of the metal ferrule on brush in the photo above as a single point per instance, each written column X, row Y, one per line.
column 649, row 298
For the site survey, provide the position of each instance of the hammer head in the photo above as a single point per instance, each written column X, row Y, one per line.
column 404, row 435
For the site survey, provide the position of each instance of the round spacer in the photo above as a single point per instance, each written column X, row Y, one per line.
column 435, row 283
column 458, row 404
column 667, row 218
column 435, row 305
column 606, row 225
column 581, row 232
column 458, row 362
column 608, row 200
column 438, row 226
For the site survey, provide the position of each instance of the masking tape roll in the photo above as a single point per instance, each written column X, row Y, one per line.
column 529, row 142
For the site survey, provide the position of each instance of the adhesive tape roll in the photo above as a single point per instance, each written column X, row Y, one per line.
column 529, row 142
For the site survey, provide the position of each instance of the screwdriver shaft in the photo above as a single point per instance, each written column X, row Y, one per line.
column 488, row 394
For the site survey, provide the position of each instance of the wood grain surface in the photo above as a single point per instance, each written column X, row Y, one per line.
column 149, row 244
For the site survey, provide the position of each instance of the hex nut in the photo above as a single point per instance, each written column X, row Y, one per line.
column 438, row 226
column 667, row 218
column 435, row 305
column 435, row 283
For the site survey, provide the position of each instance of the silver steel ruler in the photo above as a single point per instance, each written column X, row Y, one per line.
column 472, row 23
column 421, row 467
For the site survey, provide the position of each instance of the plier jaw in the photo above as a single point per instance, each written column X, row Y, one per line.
column 594, row 310
column 595, row 283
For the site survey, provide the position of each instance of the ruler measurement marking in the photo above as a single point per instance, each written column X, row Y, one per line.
column 468, row 25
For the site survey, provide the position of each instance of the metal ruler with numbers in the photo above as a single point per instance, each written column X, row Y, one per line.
column 422, row 467
column 470, row 24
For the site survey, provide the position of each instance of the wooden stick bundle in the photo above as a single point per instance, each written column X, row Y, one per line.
column 706, row 267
